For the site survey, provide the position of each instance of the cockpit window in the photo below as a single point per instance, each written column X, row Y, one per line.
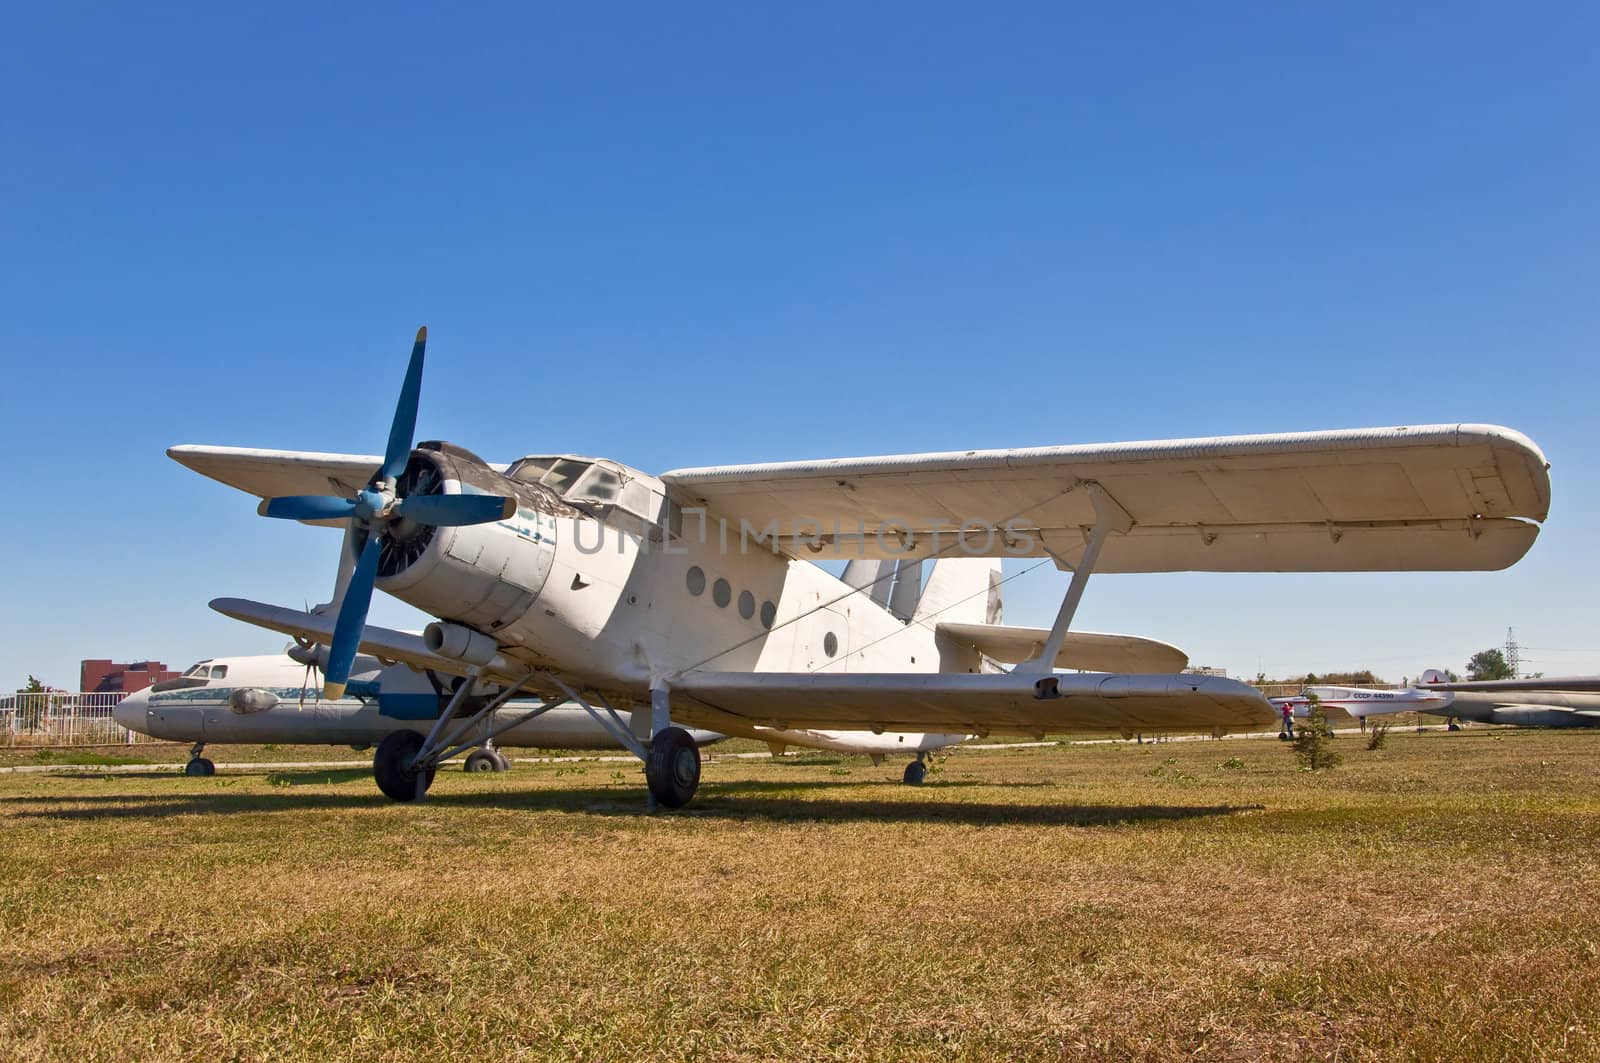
column 201, row 670
column 530, row 470
column 218, row 671
column 599, row 485
column 563, row 474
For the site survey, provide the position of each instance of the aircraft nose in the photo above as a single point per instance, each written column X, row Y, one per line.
column 129, row 712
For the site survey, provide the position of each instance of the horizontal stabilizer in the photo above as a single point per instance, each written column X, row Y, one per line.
column 1083, row 650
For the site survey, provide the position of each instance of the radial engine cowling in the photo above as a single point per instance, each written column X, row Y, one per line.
column 485, row 576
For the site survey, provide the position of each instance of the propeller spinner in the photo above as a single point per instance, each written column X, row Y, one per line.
column 372, row 509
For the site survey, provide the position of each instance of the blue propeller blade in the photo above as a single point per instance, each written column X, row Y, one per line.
column 352, row 621
column 309, row 507
column 455, row 511
column 405, row 412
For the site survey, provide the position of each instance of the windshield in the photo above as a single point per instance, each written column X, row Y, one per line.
column 530, row 470
column 600, row 485
column 563, row 474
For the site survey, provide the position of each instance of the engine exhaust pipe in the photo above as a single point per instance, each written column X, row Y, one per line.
column 460, row 643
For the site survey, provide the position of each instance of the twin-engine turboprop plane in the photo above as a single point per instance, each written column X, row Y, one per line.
column 270, row 698
column 688, row 596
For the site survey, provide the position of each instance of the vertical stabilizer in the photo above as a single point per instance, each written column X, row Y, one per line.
column 876, row 577
column 907, row 593
column 963, row 590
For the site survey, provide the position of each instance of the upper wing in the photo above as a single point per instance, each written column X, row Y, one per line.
column 275, row 473
column 1084, row 650
column 1380, row 499
column 966, row 703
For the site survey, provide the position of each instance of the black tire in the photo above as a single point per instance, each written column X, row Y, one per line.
column 672, row 767
column 199, row 768
column 1452, row 726
column 915, row 772
column 391, row 766
column 502, row 761
column 1284, row 736
column 482, row 760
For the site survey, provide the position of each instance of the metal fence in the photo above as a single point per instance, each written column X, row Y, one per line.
column 60, row 718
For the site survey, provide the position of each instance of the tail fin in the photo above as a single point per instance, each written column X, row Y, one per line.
column 895, row 585
column 1432, row 675
column 963, row 590
column 875, row 577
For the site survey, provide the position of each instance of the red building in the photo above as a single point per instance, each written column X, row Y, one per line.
column 109, row 677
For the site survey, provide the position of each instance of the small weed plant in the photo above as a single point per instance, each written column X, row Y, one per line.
column 1377, row 736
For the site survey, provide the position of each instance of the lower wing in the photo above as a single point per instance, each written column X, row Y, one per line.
column 967, row 703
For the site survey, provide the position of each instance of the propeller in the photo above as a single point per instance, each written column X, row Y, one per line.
column 371, row 510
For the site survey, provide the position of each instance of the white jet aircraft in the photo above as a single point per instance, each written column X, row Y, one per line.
column 687, row 595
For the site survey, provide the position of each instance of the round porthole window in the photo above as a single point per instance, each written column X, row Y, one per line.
column 769, row 614
column 721, row 593
column 747, row 604
column 697, row 581
column 830, row 644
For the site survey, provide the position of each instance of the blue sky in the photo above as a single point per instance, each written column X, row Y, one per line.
column 696, row 234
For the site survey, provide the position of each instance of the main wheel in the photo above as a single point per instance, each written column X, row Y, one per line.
column 672, row 767
column 914, row 773
column 482, row 760
column 199, row 767
column 391, row 766
column 502, row 762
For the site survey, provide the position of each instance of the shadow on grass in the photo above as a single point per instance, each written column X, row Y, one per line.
column 733, row 802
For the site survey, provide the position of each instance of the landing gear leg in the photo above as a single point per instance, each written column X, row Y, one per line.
column 671, row 758
column 916, row 770
column 198, row 766
column 673, row 767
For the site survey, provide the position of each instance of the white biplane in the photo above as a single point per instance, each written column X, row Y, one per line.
column 689, row 595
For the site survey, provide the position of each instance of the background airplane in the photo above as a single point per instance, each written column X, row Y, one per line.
column 272, row 698
column 1572, row 701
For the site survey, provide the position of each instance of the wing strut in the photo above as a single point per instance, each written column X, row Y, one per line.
column 1108, row 517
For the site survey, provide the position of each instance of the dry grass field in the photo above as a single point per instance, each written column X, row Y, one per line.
column 1433, row 899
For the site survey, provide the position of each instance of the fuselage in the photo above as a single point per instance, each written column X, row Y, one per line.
column 602, row 578
column 1545, row 708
